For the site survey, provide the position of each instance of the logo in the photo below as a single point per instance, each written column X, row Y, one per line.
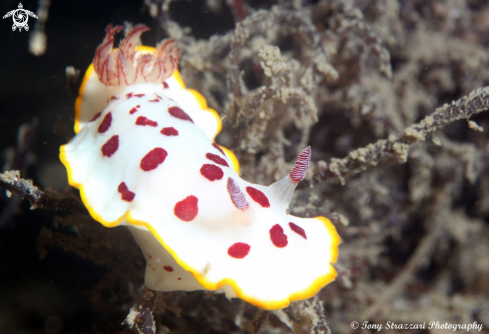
column 20, row 17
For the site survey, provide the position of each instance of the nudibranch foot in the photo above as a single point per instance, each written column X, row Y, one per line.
column 144, row 156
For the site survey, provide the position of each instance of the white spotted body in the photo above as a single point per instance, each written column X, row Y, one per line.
column 145, row 162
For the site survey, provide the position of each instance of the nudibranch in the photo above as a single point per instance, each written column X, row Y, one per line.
column 144, row 156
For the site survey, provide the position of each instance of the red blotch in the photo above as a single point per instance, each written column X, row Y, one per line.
column 168, row 268
column 277, row 236
column 217, row 159
column 122, row 187
column 155, row 100
column 211, row 172
column 218, row 148
column 239, row 250
column 133, row 110
column 165, row 85
column 179, row 278
column 105, row 125
column 159, row 97
column 179, row 113
column 150, row 256
column 297, row 229
column 129, row 95
column 153, row 269
column 97, row 115
column 151, row 160
column 111, row 146
column 258, row 197
column 171, row 131
column 187, row 209
column 141, row 120
column 113, row 98
column 126, row 194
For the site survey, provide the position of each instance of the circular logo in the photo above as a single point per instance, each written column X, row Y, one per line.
column 354, row 324
column 20, row 17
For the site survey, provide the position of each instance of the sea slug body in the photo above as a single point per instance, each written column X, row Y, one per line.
column 144, row 157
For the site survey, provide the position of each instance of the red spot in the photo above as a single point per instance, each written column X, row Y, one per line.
column 149, row 265
column 133, row 110
column 113, row 98
column 129, row 95
column 187, row 209
column 217, row 159
column 211, row 172
column 122, row 187
column 297, row 229
column 277, row 236
column 126, row 194
column 105, row 125
column 141, row 120
column 165, row 85
column 237, row 196
column 153, row 269
column 179, row 278
column 150, row 256
column 218, row 148
column 97, row 115
column 151, row 160
column 158, row 98
column 179, row 113
column 239, row 250
column 258, row 197
column 171, row 131
column 168, row 268
column 111, row 146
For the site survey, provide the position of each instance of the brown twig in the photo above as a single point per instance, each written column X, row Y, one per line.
column 72, row 80
column 422, row 252
column 321, row 325
column 259, row 319
column 12, row 181
column 19, row 160
column 389, row 151
column 141, row 313
column 239, row 10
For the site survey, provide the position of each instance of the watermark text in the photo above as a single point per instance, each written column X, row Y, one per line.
column 421, row 325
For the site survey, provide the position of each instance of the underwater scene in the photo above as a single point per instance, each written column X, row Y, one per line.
column 244, row 166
